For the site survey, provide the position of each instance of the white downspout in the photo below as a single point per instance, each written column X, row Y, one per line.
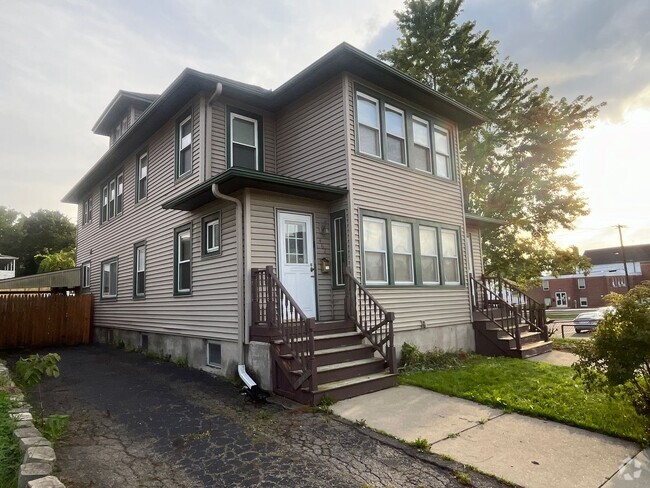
column 241, row 277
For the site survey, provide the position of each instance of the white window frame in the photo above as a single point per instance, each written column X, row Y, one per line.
column 418, row 120
column 233, row 116
column 213, row 229
column 207, row 354
column 183, row 145
column 112, row 193
column 449, row 169
column 436, row 255
column 377, row 129
column 384, row 250
column 457, row 257
column 178, row 262
column 584, row 302
column 105, row 203
column 106, row 268
column 582, row 283
column 140, row 267
column 409, row 227
column 546, row 286
column 391, row 108
column 85, row 275
column 119, row 194
column 141, row 195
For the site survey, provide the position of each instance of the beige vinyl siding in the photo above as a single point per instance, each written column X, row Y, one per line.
column 392, row 189
column 211, row 311
column 311, row 136
column 264, row 207
column 219, row 135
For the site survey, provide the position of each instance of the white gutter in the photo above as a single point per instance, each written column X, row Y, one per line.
column 241, row 277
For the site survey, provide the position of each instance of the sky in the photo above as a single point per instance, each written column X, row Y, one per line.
column 63, row 61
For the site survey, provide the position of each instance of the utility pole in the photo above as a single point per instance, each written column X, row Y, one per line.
column 627, row 277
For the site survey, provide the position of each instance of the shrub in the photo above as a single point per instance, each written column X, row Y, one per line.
column 617, row 359
column 413, row 359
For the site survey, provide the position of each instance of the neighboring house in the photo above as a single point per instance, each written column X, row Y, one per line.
column 349, row 164
column 607, row 275
column 7, row 266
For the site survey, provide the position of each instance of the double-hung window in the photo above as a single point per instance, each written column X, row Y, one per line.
column 443, row 153
column 382, row 133
column 401, row 251
column 85, row 275
column 395, row 135
column 375, row 251
column 183, row 261
column 450, row 259
column 212, row 234
column 368, row 123
column 245, row 140
column 545, row 285
column 184, row 147
column 421, row 154
column 582, row 284
column 109, row 279
column 87, row 211
column 429, row 255
column 113, row 198
column 139, row 271
column 402, row 240
column 141, row 185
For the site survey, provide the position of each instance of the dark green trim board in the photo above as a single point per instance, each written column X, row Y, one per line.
column 408, row 113
column 260, row 135
column 235, row 179
column 177, row 231
column 137, row 246
column 204, row 235
column 343, row 239
column 101, row 279
column 417, row 261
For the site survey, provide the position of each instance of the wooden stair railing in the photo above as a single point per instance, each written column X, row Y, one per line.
column 527, row 309
column 370, row 318
column 274, row 307
column 495, row 309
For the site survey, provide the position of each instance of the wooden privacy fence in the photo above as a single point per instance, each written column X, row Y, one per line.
column 32, row 320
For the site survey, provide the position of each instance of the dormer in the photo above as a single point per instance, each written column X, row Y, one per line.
column 121, row 113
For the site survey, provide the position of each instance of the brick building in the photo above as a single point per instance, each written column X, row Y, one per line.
column 607, row 275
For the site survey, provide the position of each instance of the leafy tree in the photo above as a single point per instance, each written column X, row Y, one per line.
column 514, row 165
column 57, row 261
column 28, row 238
column 618, row 356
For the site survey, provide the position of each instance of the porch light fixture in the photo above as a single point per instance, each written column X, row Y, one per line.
column 324, row 265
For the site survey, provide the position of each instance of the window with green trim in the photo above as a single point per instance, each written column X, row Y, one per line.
column 401, row 135
column 184, row 146
column 183, row 260
column 402, row 251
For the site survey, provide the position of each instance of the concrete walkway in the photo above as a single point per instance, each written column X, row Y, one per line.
column 557, row 358
column 528, row 451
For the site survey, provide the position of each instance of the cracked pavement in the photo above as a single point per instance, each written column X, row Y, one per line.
column 138, row 422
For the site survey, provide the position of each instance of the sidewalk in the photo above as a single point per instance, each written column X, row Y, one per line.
column 531, row 452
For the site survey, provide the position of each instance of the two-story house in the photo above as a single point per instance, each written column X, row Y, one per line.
column 345, row 181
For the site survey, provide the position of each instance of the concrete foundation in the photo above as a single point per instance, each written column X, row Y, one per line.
column 258, row 364
column 188, row 350
column 451, row 338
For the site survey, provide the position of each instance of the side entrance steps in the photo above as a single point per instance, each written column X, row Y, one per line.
column 346, row 365
column 492, row 340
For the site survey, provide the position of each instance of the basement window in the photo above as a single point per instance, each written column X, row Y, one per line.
column 214, row 354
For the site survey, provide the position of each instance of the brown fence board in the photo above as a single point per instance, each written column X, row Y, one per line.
column 34, row 320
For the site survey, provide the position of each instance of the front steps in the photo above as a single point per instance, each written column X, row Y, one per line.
column 346, row 366
column 491, row 340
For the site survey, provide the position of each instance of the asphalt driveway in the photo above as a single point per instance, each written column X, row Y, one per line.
column 137, row 422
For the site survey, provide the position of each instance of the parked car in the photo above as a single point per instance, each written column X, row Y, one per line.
column 590, row 320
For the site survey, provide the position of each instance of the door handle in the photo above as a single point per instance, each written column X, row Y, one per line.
column 311, row 267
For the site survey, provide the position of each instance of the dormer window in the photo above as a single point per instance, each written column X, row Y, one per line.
column 245, row 140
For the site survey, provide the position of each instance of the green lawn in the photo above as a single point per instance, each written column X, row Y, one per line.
column 536, row 389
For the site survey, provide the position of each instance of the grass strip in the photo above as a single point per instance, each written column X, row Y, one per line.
column 535, row 389
column 10, row 457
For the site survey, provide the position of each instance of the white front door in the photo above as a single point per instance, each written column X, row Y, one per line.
column 296, row 259
column 560, row 299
